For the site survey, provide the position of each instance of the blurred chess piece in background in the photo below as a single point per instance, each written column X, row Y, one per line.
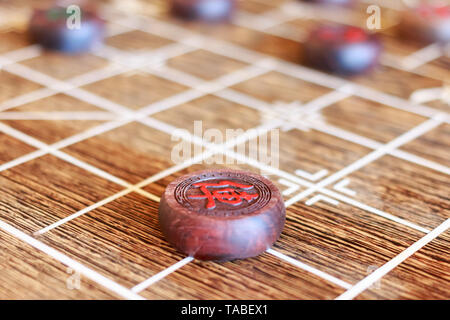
column 426, row 21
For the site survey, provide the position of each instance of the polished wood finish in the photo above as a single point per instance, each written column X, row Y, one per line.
column 28, row 273
column 44, row 190
column 55, row 130
column 423, row 276
column 211, row 227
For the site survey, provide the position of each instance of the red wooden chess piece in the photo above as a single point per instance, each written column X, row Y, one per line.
column 206, row 10
column 222, row 214
column 427, row 23
column 342, row 49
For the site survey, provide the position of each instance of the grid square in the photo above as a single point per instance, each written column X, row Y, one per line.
column 133, row 152
column 370, row 119
column 274, row 86
column 311, row 151
column 401, row 49
column 261, row 42
column 44, row 190
column 137, row 40
column 406, row 190
column 438, row 68
column 51, row 131
column 214, row 112
column 439, row 104
column 135, row 90
column 142, row 8
column 120, row 240
column 205, row 65
column 63, row 66
column 397, row 82
column 423, row 276
column 11, row 148
column 299, row 28
column 343, row 241
column 296, row 29
column 13, row 40
column 433, row 145
column 263, row 277
column 13, row 86
column 256, row 7
column 27, row 273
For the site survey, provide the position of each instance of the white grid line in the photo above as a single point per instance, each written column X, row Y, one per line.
column 147, row 283
column 323, row 190
column 366, row 142
column 314, row 106
column 58, row 115
column 273, row 64
column 391, row 264
column 125, row 192
column 153, row 123
column 376, row 154
column 312, row 270
column 87, row 272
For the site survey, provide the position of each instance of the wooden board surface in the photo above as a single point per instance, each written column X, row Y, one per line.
column 86, row 150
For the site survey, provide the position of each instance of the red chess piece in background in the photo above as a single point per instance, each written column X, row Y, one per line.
column 427, row 23
column 205, row 10
column 341, row 49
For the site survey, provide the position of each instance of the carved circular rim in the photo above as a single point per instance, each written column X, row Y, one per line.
column 269, row 200
column 263, row 191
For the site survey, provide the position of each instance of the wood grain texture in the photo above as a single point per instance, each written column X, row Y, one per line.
column 392, row 46
column 122, row 239
column 370, row 119
column 133, row 152
column 404, row 189
column 274, row 86
column 135, row 89
column 434, row 145
column 13, row 86
column 12, row 148
column 40, row 192
column 27, row 273
column 265, row 43
column 137, row 41
column 257, row 7
column 263, row 277
column 397, row 82
column 51, row 131
column 439, row 104
column 12, row 40
column 205, row 65
column 423, row 276
column 65, row 66
column 312, row 151
column 342, row 240
column 214, row 112
column 438, row 68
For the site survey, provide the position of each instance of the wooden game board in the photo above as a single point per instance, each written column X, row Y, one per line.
column 85, row 154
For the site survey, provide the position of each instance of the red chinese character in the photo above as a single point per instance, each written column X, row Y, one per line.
column 226, row 193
